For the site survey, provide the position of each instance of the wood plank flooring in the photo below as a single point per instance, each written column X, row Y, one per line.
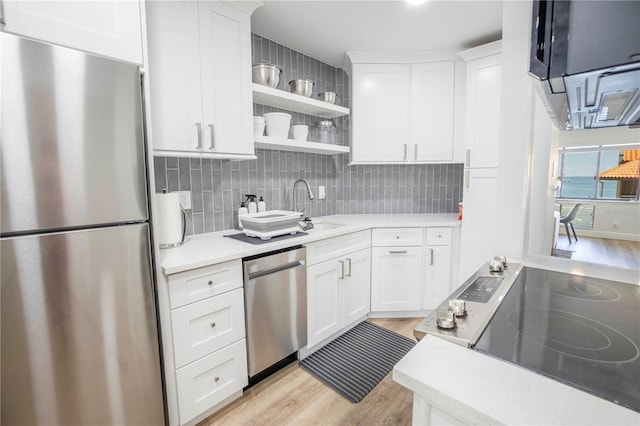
column 294, row 397
column 621, row 253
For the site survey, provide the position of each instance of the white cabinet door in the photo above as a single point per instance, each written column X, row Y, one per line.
column 225, row 57
column 200, row 77
column 437, row 276
column 432, row 103
column 174, row 74
column 324, row 300
column 380, row 112
column 483, row 111
column 357, row 286
column 396, row 278
column 106, row 28
column 478, row 219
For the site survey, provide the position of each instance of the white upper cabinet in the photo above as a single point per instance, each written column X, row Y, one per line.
column 105, row 28
column 484, row 79
column 403, row 109
column 432, row 111
column 380, row 112
column 200, row 78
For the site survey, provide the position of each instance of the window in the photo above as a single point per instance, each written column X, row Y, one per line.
column 600, row 173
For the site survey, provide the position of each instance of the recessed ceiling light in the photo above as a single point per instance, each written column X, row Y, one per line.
column 416, row 2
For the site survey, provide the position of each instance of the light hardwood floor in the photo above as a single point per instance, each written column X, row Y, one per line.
column 621, row 253
column 294, row 397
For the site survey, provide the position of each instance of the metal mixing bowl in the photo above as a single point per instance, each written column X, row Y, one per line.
column 266, row 74
column 301, row 87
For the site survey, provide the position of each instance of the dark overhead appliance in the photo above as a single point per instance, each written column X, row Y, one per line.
column 586, row 55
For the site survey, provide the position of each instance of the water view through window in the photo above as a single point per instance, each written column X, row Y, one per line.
column 600, row 174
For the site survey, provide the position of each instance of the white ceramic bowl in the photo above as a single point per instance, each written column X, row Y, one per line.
column 277, row 124
column 258, row 126
column 300, row 132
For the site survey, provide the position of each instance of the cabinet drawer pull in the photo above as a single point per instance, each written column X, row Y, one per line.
column 397, row 251
column 415, row 152
column 341, row 269
column 431, row 251
column 468, row 158
column 215, row 379
column 210, row 282
column 466, row 179
column 213, row 144
column 349, row 267
column 405, row 151
column 213, row 324
column 199, row 129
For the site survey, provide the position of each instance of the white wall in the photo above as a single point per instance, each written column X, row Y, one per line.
column 516, row 130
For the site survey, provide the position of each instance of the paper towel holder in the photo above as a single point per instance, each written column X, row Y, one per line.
column 184, row 227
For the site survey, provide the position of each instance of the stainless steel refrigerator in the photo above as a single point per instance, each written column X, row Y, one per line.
column 79, row 335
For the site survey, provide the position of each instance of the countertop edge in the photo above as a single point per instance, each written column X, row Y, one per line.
column 193, row 254
column 464, row 383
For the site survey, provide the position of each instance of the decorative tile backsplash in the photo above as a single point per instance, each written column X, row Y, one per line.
column 219, row 186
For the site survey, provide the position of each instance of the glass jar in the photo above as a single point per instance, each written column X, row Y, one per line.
column 324, row 131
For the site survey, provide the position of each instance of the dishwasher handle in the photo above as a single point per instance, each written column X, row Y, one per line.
column 262, row 273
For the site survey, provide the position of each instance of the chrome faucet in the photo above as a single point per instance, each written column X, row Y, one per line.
column 309, row 192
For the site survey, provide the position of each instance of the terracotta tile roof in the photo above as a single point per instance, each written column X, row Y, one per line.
column 631, row 154
column 628, row 170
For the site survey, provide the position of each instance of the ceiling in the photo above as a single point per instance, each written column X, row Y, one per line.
column 325, row 30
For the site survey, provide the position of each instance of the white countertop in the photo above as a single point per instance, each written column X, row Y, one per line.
column 207, row 249
column 478, row 389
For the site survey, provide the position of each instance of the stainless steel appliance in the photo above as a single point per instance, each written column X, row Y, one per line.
column 79, row 338
column 276, row 306
column 578, row 330
column 586, row 55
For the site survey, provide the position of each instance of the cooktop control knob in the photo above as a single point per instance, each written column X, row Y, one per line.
column 445, row 319
column 496, row 266
column 458, row 307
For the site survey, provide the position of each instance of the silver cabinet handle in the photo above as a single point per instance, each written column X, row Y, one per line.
column 349, row 266
column 405, row 151
column 210, row 283
column 397, row 251
column 213, row 143
column 341, row 269
column 213, row 324
column 199, row 128
column 468, row 158
column 431, row 253
column 466, row 179
column 215, row 379
column 415, row 152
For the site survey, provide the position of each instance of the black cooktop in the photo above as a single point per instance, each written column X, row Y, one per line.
column 582, row 331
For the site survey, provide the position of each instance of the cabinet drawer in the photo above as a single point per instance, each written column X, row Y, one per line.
column 438, row 236
column 206, row 326
column 197, row 284
column 385, row 237
column 208, row 381
column 319, row 251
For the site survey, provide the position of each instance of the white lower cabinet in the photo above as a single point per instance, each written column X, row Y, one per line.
column 396, row 274
column 212, row 379
column 206, row 361
column 396, row 279
column 437, row 270
column 338, row 289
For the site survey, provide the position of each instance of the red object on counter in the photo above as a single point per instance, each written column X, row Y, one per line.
column 459, row 211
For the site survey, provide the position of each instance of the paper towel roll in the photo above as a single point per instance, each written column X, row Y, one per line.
column 169, row 221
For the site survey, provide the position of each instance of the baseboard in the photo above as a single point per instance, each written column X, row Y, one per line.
column 602, row 234
column 400, row 314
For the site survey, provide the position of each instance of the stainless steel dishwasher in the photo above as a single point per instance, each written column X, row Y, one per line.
column 275, row 306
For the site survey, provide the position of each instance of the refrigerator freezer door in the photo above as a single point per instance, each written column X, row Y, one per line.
column 79, row 341
column 72, row 140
